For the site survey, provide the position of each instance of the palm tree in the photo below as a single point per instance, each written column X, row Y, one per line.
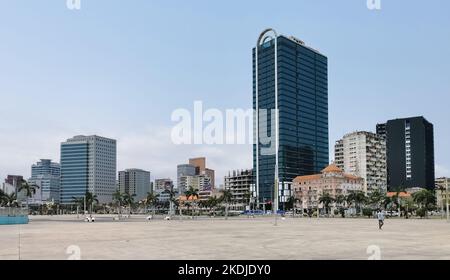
column 117, row 197
column 128, row 199
column 151, row 199
column 78, row 201
column 191, row 193
column 212, row 203
column 172, row 200
column 30, row 189
column 227, row 196
column 425, row 199
column 90, row 200
column 340, row 201
column 326, row 199
column 2, row 198
column 376, row 198
column 358, row 198
column 201, row 205
column 247, row 196
column 386, row 202
column 10, row 200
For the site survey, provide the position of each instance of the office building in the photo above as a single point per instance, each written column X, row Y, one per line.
column 135, row 182
column 239, row 182
column 293, row 141
column 47, row 176
column 410, row 153
column 363, row 154
column 381, row 130
column 184, row 170
column 200, row 169
column 46, row 167
column 88, row 163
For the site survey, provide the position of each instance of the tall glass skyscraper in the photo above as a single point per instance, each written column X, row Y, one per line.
column 88, row 163
column 292, row 141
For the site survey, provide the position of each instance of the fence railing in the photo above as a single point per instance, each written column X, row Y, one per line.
column 12, row 212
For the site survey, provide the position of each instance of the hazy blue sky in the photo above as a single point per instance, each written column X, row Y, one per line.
column 119, row 68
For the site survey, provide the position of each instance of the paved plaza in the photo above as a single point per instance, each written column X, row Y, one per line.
column 233, row 239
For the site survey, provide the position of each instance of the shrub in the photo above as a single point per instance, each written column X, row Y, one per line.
column 421, row 212
column 368, row 212
column 342, row 212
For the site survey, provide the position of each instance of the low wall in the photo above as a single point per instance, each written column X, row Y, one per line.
column 13, row 220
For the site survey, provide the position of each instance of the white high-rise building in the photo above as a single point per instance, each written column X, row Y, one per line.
column 197, row 182
column 363, row 154
column 88, row 163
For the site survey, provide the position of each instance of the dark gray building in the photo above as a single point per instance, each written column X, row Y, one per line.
column 293, row 141
column 410, row 153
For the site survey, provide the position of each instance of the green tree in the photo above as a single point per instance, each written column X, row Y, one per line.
column 78, row 201
column 118, row 201
column 376, row 198
column 191, row 193
column 340, row 203
column 212, row 203
column 30, row 189
column 151, row 200
column 386, row 202
column 2, row 198
column 425, row 199
column 357, row 198
column 9, row 200
column 326, row 199
column 247, row 196
column 227, row 197
column 172, row 199
column 91, row 199
column 128, row 199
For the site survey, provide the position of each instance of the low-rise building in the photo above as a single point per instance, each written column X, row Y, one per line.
column 332, row 180
column 442, row 192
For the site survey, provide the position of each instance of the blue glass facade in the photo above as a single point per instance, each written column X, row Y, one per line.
column 303, row 111
column 74, row 171
column 45, row 167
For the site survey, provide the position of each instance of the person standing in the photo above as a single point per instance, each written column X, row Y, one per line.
column 380, row 216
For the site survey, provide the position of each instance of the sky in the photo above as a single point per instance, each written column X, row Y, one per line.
column 120, row 68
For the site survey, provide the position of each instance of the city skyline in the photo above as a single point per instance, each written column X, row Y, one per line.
column 94, row 70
